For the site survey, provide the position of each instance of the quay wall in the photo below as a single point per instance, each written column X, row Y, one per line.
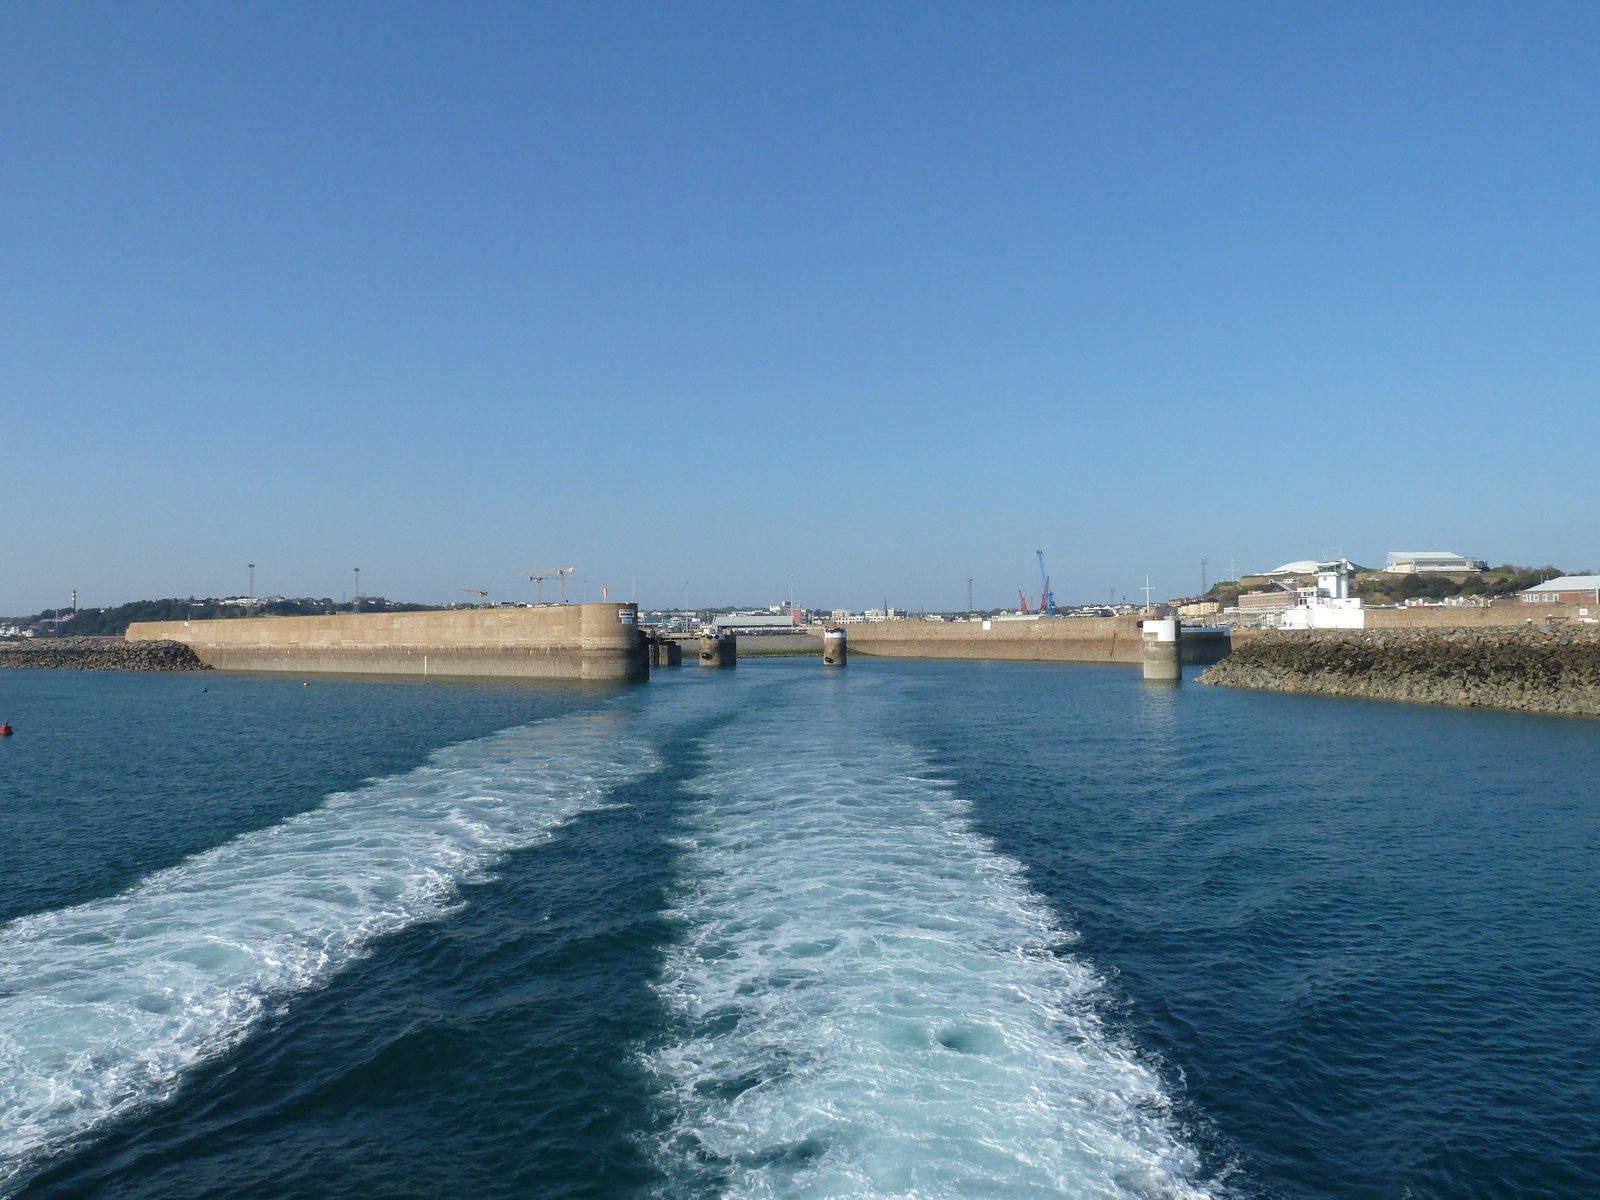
column 1451, row 617
column 1548, row 668
column 1077, row 639
column 555, row 641
column 1071, row 639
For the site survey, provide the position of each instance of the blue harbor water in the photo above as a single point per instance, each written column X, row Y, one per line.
column 909, row 929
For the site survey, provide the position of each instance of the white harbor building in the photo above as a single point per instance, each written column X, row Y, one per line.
column 1328, row 605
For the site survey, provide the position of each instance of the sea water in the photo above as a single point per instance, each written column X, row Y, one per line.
column 906, row 929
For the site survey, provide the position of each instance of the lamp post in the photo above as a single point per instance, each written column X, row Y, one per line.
column 252, row 583
column 355, row 602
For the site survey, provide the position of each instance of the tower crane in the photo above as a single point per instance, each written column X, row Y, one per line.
column 478, row 592
column 539, row 577
column 1047, row 599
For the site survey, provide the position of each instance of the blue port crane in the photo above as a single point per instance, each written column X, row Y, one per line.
column 1047, row 599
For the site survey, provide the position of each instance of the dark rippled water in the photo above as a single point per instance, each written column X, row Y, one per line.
column 910, row 929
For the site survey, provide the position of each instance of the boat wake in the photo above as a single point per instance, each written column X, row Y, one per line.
column 874, row 1003
column 105, row 1006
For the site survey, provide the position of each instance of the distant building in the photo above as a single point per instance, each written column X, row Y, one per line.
column 1447, row 602
column 1569, row 589
column 1421, row 562
column 1273, row 600
column 759, row 620
column 1204, row 608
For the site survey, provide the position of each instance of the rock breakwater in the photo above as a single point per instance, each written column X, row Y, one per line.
column 1550, row 668
column 100, row 654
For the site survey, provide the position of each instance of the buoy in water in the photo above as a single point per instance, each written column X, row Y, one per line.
column 305, row 685
column 6, row 731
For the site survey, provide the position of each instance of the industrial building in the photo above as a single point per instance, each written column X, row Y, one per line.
column 1421, row 562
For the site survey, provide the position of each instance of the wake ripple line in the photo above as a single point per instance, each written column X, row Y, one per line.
column 876, row 1002
column 105, row 1006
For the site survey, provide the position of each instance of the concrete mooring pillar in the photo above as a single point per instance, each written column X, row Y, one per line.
column 664, row 652
column 1163, row 649
column 833, row 648
column 719, row 650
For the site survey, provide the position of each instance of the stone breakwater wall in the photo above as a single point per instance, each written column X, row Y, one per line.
column 1075, row 639
column 100, row 654
column 1549, row 668
column 1451, row 616
column 556, row 641
column 1090, row 639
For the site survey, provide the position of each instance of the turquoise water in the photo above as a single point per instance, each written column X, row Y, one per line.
column 931, row 929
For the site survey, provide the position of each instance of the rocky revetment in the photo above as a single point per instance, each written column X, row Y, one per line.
column 100, row 654
column 1549, row 668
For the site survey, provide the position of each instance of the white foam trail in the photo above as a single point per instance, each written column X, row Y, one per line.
column 103, row 1006
column 874, row 1005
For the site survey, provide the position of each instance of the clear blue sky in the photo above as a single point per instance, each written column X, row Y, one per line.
column 876, row 296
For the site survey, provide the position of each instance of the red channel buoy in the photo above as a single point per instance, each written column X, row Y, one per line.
column 6, row 731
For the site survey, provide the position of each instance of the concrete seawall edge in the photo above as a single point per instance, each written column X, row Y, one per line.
column 579, row 641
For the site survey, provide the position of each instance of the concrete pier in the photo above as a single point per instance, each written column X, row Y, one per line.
column 555, row 641
column 664, row 652
column 1162, row 649
column 834, row 650
column 1068, row 639
column 719, row 650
